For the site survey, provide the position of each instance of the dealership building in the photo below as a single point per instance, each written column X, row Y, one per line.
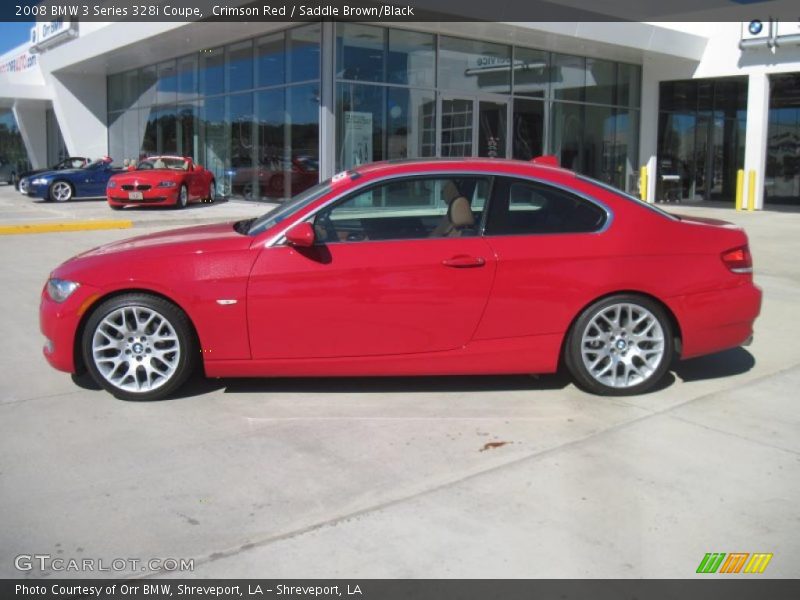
column 670, row 110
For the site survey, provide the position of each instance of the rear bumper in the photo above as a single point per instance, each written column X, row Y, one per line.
column 715, row 321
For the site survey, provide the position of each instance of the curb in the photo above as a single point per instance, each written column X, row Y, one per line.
column 63, row 226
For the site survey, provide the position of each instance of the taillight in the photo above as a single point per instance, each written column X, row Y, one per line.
column 738, row 260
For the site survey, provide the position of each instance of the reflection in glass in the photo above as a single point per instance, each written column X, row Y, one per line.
column 167, row 86
column 492, row 122
column 474, row 66
column 116, row 92
column 148, row 120
column 302, row 104
column 214, row 133
column 187, row 130
column 240, row 120
column 167, row 131
column 360, row 52
column 187, row 77
column 272, row 152
column 567, row 134
column 411, row 123
column 531, row 72
column 568, row 79
column 239, row 66
column 456, row 133
column 527, row 129
column 212, row 72
column 628, row 85
column 148, row 84
column 130, row 87
column 411, row 59
column 303, row 52
column 601, row 82
column 270, row 60
column 359, row 124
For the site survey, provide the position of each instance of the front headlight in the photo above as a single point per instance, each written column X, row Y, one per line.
column 112, row 184
column 39, row 181
column 60, row 289
column 167, row 184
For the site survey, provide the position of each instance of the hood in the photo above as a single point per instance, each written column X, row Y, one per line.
column 188, row 240
column 147, row 175
column 62, row 172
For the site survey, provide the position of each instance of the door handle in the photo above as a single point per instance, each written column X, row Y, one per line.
column 464, row 261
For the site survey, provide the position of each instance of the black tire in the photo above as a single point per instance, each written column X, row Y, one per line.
column 212, row 192
column 58, row 184
column 177, row 322
column 183, row 198
column 614, row 355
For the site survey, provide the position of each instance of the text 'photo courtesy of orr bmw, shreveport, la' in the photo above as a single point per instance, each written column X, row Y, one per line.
column 418, row 267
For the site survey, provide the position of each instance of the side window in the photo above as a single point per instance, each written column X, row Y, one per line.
column 523, row 207
column 409, row 208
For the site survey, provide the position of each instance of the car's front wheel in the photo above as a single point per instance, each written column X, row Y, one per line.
column 139, row 347
column 183, row 198
column 620, row 345
column 61, row 191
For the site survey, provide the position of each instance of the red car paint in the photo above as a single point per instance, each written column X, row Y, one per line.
column 395, row 308
column 125, row 188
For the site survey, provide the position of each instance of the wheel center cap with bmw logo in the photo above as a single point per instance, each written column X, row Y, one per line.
column 755, row 27
column 138, row 348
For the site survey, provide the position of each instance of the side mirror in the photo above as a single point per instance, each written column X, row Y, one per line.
column 301, row 235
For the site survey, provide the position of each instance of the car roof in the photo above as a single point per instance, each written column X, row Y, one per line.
column 459, row 164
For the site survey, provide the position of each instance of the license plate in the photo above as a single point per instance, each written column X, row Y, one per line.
column 135, row 196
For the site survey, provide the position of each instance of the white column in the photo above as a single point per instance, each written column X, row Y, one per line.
column 755, row 153
column 648, row 128
column 79, row 102
column 327, row 105
column 32, row 123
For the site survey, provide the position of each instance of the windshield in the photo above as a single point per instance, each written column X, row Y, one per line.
column 165, row 162
column 280, row 212
column 100, row 162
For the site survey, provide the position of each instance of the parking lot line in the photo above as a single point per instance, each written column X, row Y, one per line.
column 64, row 226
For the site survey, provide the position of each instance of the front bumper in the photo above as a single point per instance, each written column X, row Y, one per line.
column 153, row 196
column 59, row 322
column 36, row 191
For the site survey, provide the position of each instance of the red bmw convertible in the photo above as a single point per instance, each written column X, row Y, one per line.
column 161, row 180
column 412, row 268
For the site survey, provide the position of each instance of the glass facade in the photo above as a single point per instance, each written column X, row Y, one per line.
column 783, row 141
column 700, row 138
column 13, row 156
column 248, row 111
column 406, row 94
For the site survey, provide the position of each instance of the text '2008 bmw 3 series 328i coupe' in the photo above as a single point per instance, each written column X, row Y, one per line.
column 426, row 267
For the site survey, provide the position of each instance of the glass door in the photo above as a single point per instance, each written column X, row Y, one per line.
column 473, row 127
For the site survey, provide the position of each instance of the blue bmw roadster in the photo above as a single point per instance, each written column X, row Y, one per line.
column 62, row 186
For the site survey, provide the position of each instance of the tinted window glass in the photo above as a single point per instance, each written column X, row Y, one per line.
column 413, row 208
column 523, row 207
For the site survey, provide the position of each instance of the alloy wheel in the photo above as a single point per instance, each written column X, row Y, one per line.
column 622, row 345
column 136, row 349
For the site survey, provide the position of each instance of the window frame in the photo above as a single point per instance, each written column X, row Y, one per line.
column 390, row 180
column 506, row 180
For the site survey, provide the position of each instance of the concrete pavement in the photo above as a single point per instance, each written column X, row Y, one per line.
column 393, row 477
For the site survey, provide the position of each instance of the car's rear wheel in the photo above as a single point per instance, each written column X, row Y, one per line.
column 139, row 347
column 183, row 197
column 620, row 345
column 60, row 191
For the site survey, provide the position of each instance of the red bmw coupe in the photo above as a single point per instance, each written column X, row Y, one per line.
column 410, row 268
column 161, row 180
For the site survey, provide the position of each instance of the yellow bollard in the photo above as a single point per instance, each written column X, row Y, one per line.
column 643, row 183
column 751, row 190
column 739, row 188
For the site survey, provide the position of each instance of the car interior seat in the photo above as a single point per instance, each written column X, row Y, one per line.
column 459, row 216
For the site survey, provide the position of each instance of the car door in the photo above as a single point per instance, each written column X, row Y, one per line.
column 375, row 282
column 94, row 180
column 550, row 257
